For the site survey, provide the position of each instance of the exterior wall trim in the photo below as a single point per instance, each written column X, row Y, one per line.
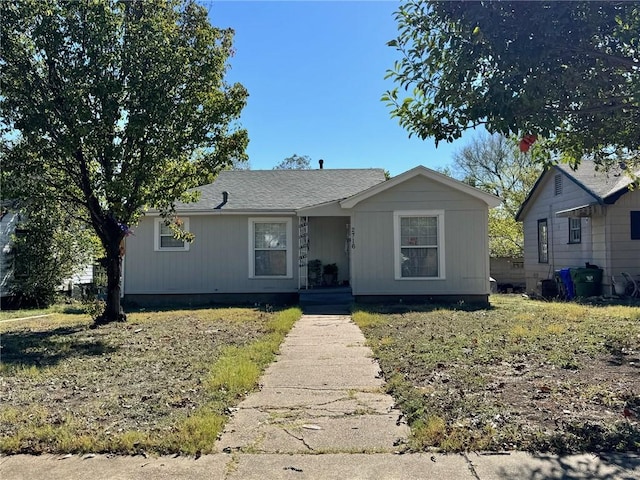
column 439, row 214
column 489, row 199
column 289, row 249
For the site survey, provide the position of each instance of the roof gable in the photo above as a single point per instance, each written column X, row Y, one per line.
column 603, row 186
column 281, row 190
column 490, row 200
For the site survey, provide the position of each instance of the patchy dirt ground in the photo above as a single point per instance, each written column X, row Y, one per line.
column 523, row 374
column 140, row 376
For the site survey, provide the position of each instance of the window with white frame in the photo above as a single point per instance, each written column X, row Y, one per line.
column 419, row 244
column 270, row 248
column 164, row 238
column 575, row 230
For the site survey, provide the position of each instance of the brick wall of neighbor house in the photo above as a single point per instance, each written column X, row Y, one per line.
column 544, row 204
column 465, row 242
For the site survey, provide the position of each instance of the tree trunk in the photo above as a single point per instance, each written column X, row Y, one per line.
column 113, row 311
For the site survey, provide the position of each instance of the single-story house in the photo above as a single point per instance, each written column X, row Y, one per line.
column 575, row 217
column 420, row 235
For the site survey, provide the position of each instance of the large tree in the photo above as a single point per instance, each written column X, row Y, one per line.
column 568, row 72
column 111, row 107
column 494, row 163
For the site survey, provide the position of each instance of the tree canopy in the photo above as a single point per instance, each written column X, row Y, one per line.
column 494, row 163
column 566, row 72
column 113, row 107
column 47, row 248
column 295, row 162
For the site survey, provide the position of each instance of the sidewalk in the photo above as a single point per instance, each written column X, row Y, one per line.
column 324, row 394
column 321, row 414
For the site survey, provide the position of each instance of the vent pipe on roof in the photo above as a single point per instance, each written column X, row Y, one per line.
column 321, row 162
column 225, row 197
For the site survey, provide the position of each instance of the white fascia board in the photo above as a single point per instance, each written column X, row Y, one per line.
column 301, row 210
column 226, row 212
column 490, row 200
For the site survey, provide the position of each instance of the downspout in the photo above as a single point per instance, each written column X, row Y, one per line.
column 550, row 245
column 608, row 268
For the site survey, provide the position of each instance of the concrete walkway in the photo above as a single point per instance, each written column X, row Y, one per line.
column 324, row 394
column 321, row 414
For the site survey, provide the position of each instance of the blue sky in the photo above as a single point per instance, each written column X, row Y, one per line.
column 315, row 74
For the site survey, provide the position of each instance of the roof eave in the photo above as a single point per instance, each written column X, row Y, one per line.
column 490, row 200
column 319, row 205
column 521, row 211
column 615, row 196
column 220, row 211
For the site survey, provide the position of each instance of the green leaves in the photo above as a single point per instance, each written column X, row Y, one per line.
column 566, row 71
column 295, row 162
column 493, row 163
column 115, row 107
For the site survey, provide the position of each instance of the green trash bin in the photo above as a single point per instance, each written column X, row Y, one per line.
column 587, row 281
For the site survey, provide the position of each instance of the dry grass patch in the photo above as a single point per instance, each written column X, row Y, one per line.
column 158, row 383
column 520, row 375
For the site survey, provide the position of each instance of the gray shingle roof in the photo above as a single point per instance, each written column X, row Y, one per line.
column 606, row 187
column 598, row 182
column 283, row 189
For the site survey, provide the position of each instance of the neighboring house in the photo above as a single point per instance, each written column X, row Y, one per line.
column 420, row 235
column 572, row 218
column 508, row 273
column 8, row 223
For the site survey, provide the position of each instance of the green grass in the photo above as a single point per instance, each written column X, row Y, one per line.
column 505, row 377
column 163, row 382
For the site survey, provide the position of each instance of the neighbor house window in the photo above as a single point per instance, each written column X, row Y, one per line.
column 270, row 248
column 635, row 225
column 575, row 230
column 543, row 241
column 164, row 239
column 419, row 244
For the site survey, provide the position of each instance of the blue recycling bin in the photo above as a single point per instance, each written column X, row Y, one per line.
column 565, row 276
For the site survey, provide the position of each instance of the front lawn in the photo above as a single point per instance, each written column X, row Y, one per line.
column 163, row 382
column 523, row 374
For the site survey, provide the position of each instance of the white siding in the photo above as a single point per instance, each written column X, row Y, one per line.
column 466, row 241
column 544, row 205
column 216, row 262
column 83, row 275
column 8, row 225
column 624, row 252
